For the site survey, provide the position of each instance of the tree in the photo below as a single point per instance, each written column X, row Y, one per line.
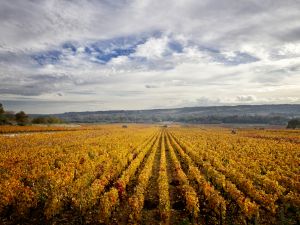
column 294, row 123
column 47, row 120
column 39, row 120
column 21, row 118
column 1, row 109
column 3, row 118
column 53, row 120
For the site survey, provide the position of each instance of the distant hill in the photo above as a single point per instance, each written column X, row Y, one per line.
column 249, row 114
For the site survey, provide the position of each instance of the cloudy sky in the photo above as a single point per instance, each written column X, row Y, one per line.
column 75, row 55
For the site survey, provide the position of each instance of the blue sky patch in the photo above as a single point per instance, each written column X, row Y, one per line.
column 175, row 46
column 114, row 54
column 103, row 50
column 69, row 46
column 48, row 57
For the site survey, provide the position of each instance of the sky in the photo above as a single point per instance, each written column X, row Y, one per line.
column 73, row 55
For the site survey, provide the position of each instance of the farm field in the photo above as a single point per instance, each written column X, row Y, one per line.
column 148, row 174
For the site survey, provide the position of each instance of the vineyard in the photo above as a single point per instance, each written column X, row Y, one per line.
column 147, row 174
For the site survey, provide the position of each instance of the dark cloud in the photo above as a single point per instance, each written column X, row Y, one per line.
column 35, row 85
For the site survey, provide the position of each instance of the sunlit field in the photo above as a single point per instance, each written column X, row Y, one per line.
column 149, row 174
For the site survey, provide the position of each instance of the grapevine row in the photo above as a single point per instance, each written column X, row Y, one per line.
column 191, row 198
column 278, row 163
column 163, row 186
column 58, row 168
column 248, row 207
column 87, row 195
column 137, row 200
column 215, row 201
column 110, row 199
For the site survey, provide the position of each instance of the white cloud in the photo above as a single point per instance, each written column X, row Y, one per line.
column 245, row 98
column 290, row 49
column 154, row 48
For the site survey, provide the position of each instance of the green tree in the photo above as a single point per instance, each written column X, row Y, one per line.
column 294, row 123
column 47, row 120
column 21, row 118
column 39, row 120
column 3, row 118
column 1, row 109
column 53, row 120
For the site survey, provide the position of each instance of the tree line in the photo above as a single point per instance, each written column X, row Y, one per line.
column 22, row 119
column 196, row 118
